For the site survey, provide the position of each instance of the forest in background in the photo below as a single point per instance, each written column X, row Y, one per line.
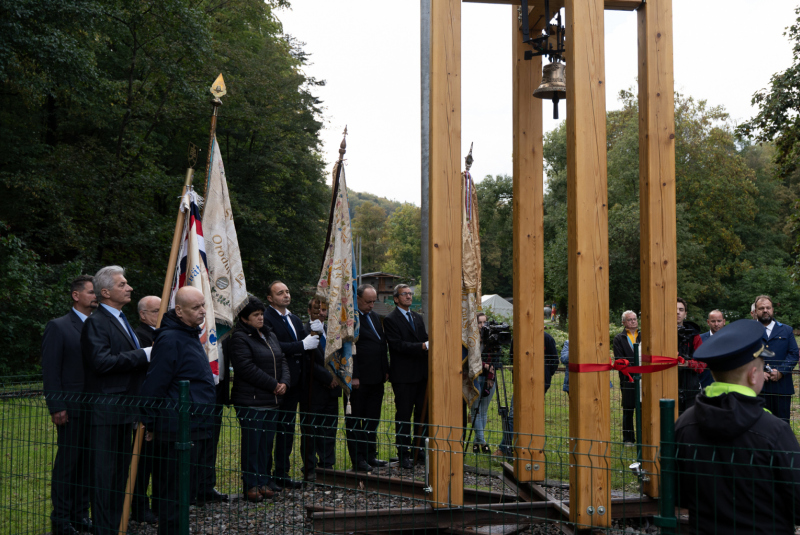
column 100, row 100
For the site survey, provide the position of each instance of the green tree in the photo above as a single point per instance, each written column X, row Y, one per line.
column 368, row 224
column 100, row 100
column 404, row 241
column 495, row 216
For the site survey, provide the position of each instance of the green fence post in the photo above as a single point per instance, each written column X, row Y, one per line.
column 183, row 446
column 666, row 520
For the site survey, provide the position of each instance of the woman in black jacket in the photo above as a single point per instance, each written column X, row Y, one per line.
column 260, row 376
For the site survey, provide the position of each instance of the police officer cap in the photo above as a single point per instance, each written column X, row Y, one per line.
column 734, row 345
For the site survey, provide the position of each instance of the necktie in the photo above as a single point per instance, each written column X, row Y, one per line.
column 411, row 321
column 322, row 343
column 371, row 326
column 289, row 327
column 130, row 331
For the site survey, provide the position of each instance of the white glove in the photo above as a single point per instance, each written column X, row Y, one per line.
column 310, row 342
column 316, row 326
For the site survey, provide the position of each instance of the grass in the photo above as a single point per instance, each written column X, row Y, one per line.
column 27, row 450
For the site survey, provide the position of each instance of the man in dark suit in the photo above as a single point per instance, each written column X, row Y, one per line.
column 408, row 369
column 288, row 328
column 370, row 372
column 623, row 349
column 148, row 308
column 715, row 321
column 779, row 339
column 115, row 365
column 62, row 372
column 319, row 403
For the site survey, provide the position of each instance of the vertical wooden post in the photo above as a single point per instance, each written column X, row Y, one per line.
column 528, row 238
column 444, row 357
column 589, row 415
column 657, row 216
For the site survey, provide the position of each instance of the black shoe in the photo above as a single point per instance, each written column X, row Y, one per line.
column 273, row 486
column 64, row 529
column 377, row 463
column 406, row 463
column 83, row 525
column 147, row 517
column 287, row 483
column 309, row 475
column 212, row 496
column 362, row 466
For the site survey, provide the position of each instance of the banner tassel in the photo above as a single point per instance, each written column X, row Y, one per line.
column 348, row 411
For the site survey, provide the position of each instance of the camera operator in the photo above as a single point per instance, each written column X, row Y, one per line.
column 550, row 367
column 485, row 384
column 688, row 374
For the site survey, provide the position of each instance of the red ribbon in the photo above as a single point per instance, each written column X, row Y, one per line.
column 623, row 365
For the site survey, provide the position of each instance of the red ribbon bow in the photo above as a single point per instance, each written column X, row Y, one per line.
column 658, row 364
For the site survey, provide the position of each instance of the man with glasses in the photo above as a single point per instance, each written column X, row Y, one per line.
column 623, row 349
column 408, row 370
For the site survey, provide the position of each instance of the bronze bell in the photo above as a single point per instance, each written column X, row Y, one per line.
column 554, row 85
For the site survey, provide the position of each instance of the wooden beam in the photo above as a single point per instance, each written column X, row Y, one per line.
column 444, row 356
column 528, row 262
column 587, row 216
column 610, row 5
column 657, row 219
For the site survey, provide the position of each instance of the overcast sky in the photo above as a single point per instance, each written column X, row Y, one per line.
column 368, row 54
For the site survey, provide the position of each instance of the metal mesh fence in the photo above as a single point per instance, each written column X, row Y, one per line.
column 330, row 498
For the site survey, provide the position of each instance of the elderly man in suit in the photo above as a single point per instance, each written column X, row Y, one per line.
column 408, row 369
column 370, row 372
column 715, row 322
column 148, row 309
column 294, row 342
column 115, row 365
column 62, row 372
column 779, row 339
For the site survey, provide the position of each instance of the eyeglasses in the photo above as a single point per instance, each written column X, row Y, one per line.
column 406, row 293
column 631, row 319
column 156, row 311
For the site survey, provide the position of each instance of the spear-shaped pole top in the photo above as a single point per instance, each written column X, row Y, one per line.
column 218, row 90
column 468, row 160
column 343, row 144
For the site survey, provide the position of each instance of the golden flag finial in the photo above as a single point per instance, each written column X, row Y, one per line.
column 218, row 87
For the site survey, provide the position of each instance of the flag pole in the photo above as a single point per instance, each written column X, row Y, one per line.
column 218, row 90
column 335, row 192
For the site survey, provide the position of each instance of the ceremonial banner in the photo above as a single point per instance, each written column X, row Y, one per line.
column 192, row 270
column 470, row 289
column 226, row 276
column 336, row 288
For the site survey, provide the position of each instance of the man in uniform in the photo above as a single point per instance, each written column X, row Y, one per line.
column 62, row 373
column 738, row 465
column 779, row 339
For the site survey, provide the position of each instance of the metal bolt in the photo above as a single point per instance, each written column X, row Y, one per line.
column 528, row 467
column 536, row 467
column 590, row 510
column 601, row 510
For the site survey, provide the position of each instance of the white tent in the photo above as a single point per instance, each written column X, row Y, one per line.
column 498, row 305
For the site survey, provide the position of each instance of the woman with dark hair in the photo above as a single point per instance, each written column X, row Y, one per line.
column 260, row 376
